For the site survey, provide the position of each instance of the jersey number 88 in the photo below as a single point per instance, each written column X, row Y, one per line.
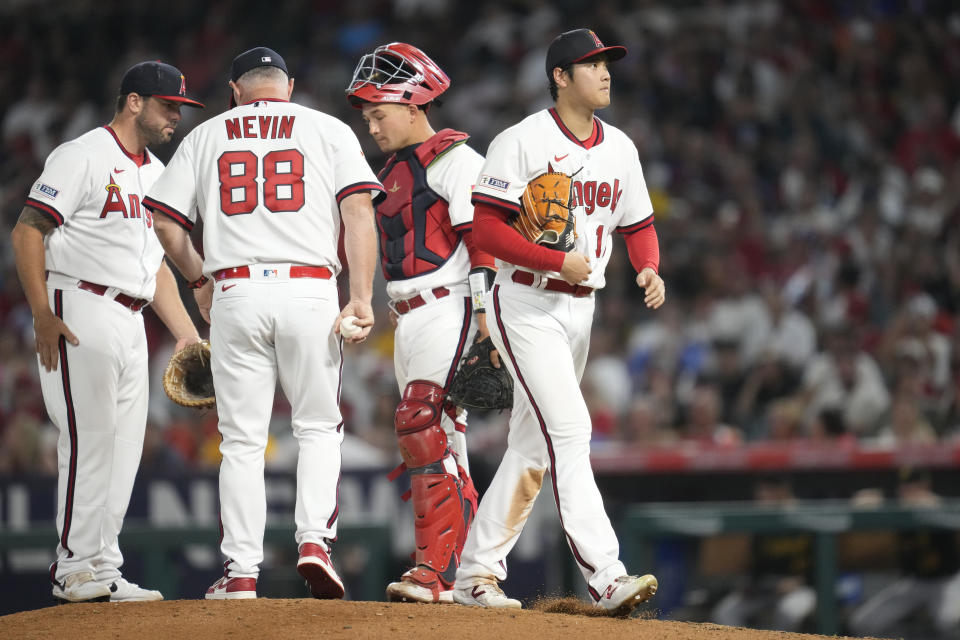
column 282, row 181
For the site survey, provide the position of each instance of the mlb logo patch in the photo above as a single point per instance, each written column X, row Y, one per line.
column 270, row 273
column 494, row 183
column 46, row 190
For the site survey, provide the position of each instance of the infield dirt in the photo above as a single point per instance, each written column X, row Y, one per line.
column 307, row 619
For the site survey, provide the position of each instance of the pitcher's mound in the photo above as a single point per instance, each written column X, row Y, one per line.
column 309, row 619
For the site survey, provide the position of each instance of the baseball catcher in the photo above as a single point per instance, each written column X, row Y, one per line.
column 545, row 216
column 429, row 260
column 478, row 384
column 188, row 379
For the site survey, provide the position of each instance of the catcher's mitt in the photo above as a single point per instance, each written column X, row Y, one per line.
column 188, row 379
column 478, row 384
column 545, row 216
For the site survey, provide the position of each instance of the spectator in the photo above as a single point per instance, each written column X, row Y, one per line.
column 802, row 144
column 906, row 426
column 829, row 429
column 646, row 424
column 769, row 381
column 845, row 376
column 704, row 424
column 792, row 336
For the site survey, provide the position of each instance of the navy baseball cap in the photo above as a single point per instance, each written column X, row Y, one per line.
column 256, row 57
column 158, row 80
column 575, row 46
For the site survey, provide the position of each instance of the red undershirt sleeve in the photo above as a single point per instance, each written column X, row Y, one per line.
column 492, row 234
column 478, row 257
column 644, row 248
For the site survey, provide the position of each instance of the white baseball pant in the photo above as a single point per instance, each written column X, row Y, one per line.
column 544, row 337
column 266, row 328
column 428, row 344
column 97, row 398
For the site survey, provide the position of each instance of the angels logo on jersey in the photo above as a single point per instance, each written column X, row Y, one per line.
column 115, row 204
column 592, row 194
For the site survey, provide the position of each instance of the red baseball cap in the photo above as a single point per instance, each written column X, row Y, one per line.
column 158, row 80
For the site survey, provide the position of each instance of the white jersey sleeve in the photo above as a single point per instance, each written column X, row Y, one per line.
column 63, row 187
column 453, row 176
column 353, row 173
column 175, row 192
column 637, row 208
column 506, row 171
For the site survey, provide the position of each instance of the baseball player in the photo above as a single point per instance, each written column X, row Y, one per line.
column 426, row 252
column 89, row 262
column 542, row 306
column 930, row 572
column 272, row 181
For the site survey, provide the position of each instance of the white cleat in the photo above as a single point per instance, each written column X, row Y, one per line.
column 123, row 591
column 409, row 591
column 81, row 587
column 626, row 592
column 489, row 596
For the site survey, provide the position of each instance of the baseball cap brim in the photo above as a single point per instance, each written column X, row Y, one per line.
column 612, row 53
column 187, row 101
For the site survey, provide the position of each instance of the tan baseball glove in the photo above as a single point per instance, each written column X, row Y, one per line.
column 188, row 379
column 545, row 216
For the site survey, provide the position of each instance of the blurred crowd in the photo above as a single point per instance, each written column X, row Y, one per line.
column 801, row 156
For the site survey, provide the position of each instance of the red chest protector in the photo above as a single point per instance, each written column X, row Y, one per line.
column 413, row 220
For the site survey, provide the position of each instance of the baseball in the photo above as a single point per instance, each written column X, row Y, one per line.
column 349, row 328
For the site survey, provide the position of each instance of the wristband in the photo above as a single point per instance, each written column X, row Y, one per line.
column 199, row 282
column 481, row 280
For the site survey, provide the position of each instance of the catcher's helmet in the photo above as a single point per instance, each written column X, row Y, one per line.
column 396, row 72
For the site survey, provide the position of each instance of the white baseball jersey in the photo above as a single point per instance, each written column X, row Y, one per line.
column 92, row 189
column 451, row 176
column 255, row 165
column 609, row 192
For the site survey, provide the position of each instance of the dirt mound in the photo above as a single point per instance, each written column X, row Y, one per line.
column 309, row 619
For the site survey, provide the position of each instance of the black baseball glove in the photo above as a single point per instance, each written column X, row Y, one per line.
column 478, row 384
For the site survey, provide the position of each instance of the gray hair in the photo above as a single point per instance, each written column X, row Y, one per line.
column 263, row 75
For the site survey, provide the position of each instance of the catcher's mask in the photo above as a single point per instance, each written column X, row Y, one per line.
column 398, row 73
